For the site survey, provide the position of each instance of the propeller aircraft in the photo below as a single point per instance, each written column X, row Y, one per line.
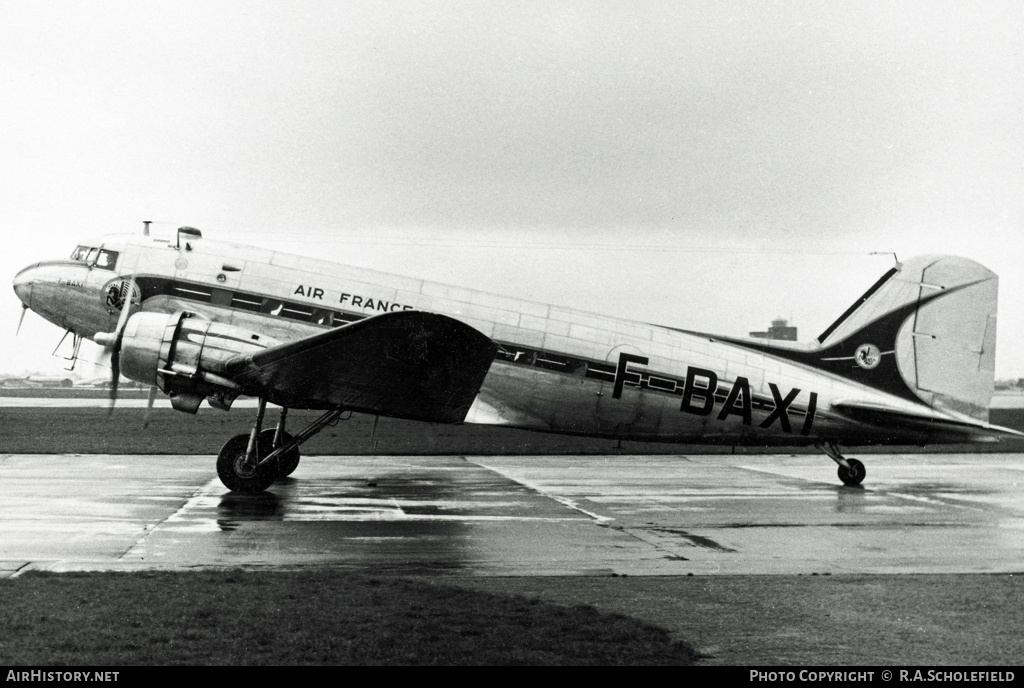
column 909, row 363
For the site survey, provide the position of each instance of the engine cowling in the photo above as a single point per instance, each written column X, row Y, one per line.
column 184, row 355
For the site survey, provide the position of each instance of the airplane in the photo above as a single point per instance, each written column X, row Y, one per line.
column 911, row 362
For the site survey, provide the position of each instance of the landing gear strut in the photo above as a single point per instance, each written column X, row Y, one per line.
column 851, row 471
column 250, row 462
column 286, row 462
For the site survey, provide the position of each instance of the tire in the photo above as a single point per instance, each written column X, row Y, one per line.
column 855, row 475
column 286, row 464
column 231, row 473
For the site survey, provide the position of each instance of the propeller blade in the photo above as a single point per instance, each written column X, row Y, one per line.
column 149, row 407
column 127, row 289
column 115, row 373
column 122, row 319
column 21, row 319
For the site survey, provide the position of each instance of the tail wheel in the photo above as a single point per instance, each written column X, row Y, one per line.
column 285, row 464
column 854, row 475
column 233, row 472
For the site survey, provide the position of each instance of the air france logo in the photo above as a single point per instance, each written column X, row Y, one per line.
column 868, row 356
column 118, row 292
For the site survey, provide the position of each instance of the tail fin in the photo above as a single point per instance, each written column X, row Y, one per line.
column 926, row 331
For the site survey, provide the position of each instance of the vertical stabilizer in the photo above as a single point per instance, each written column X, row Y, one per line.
column 928, row 327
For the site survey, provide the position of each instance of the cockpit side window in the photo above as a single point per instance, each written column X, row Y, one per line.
column 106, row 260
column 95, row 257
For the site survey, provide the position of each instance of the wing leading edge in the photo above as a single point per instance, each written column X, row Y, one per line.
column 407, row 364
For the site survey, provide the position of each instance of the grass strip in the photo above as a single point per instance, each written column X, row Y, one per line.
column 304, row 617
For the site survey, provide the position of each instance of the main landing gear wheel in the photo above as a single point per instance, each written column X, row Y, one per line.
column 854, row 475
column 233, row 472
column 284, row 465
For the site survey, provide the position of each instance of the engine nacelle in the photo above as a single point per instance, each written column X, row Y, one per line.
column 184, row 356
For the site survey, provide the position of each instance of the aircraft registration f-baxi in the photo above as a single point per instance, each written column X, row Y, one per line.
column 910, row 362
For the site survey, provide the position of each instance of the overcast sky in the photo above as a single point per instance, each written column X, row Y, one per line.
column 709, row 165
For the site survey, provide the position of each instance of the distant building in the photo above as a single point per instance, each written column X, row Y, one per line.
column 780, row 329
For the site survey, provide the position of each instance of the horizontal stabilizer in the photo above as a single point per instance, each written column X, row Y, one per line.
column 922, row 419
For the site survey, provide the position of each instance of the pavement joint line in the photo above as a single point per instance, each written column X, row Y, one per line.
column 564, row 501
column 14, row 573
column 33, row 566
column 658, row 544
column 151, row 528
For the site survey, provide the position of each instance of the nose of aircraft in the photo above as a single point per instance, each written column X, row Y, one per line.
column 23, row 285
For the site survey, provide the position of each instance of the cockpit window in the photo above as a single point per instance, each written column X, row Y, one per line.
column 107, row 260
column 95, row 257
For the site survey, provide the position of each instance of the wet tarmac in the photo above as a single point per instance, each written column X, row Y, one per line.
column 519, row 516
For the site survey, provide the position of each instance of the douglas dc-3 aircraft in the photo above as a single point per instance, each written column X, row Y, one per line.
column 911, row 362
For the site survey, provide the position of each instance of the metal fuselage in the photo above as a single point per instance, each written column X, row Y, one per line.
column 557, row 369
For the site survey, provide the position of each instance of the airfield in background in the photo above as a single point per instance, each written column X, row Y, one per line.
column 85, row 426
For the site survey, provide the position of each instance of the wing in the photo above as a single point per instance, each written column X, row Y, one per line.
column 407, row 364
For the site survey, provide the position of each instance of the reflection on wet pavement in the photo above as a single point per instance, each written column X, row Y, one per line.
column 593, row 515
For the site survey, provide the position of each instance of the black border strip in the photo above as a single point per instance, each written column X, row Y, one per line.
column 857, row 304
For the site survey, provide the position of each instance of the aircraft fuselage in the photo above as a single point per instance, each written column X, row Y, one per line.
column 557, row 369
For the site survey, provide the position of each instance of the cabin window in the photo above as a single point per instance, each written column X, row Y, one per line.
column 296, row 312
column 555, row 362
column 601, row 371
column 246, row 302
column 323, row 317
column 193, row 292
column 515, row 354
column 340, row 319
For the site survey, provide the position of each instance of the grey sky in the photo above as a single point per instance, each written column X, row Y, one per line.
column 585, row 153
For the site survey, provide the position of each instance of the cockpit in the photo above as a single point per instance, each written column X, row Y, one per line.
column 95, row 257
